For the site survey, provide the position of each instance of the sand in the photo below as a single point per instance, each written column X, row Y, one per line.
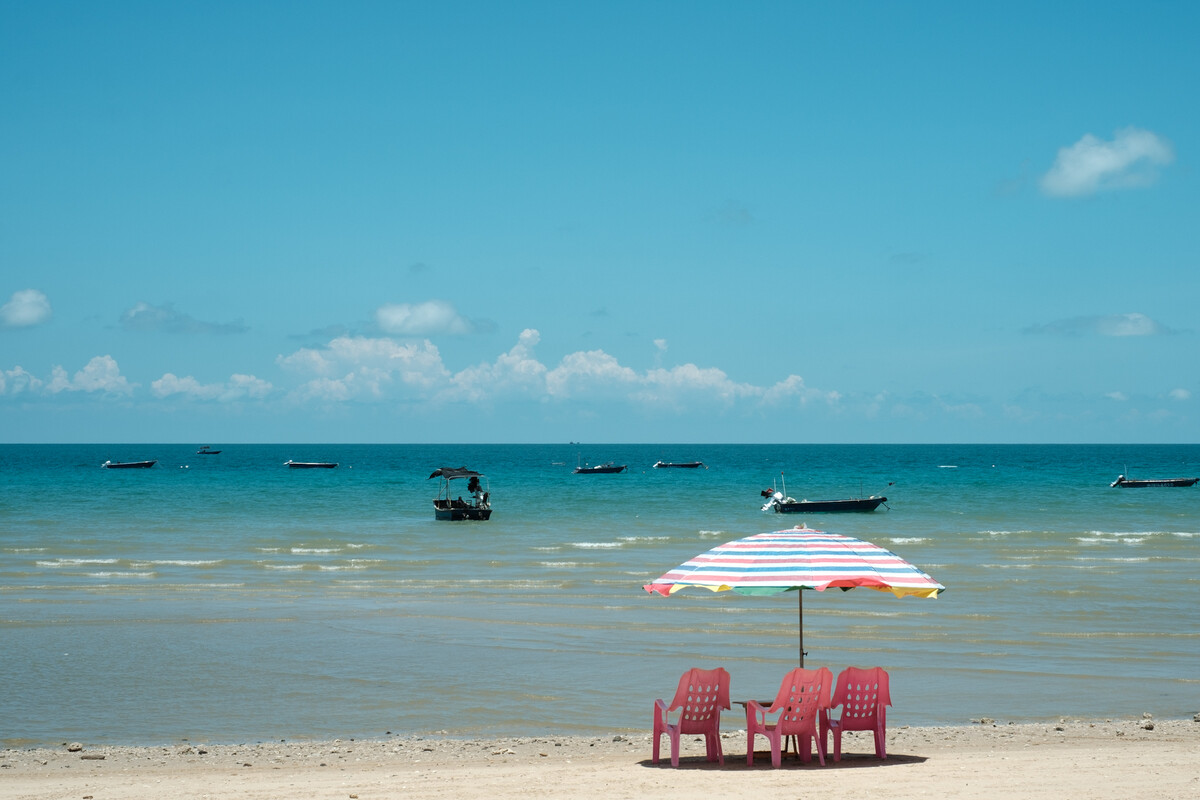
column 1069, row 759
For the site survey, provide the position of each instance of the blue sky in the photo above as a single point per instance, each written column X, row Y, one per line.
column 610, row 222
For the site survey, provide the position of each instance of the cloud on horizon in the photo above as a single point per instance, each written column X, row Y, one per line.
column 366, row 369
column 101, row 374
column 1106, row 325
column 147, row 317
column 1092, row 165
column 25, row 308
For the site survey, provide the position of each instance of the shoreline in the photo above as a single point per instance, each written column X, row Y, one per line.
column 1072, row 758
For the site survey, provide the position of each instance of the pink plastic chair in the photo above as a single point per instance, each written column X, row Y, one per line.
column 864, row 697
column 802, row 704
column 701, row 695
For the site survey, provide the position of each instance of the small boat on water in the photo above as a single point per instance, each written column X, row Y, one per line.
column 599, row 469
column 311, row 464
column 207, row 451
column 788, row 505
column 679, row 464
column 780, row 503
column 455, row 509
column 129, row 464
column 1127, row 483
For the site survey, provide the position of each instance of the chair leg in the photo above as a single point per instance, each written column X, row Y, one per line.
column 881, row 743
column 776, row 756
column 675, row 749
column 820, row 750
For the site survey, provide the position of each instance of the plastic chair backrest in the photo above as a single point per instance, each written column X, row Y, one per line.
column 801, row 695
column 702, row 693
column 861, row 693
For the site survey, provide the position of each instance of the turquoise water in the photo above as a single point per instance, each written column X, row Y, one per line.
column 237, row 600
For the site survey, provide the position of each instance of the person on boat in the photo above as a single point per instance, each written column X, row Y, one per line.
column 476, row 491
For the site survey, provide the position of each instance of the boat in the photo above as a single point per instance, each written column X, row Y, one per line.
column 129, row 464
column 788, row 505
column 207, row 451
column 311, row 464
column 679, row 464
column 599, row 469
column 1128, row 483
column 779, row 502
column 455, row 509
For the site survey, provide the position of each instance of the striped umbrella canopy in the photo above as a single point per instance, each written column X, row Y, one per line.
column 797, row 559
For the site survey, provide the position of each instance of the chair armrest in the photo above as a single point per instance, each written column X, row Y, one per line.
column 758, row 710
column 660, row 711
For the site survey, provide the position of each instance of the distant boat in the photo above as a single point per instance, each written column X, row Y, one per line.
column 1126, row 483
column 780, row 503
column 311, row 464
column 679, row 464
column 129, row 464
column 445, row 507
column 207, row 451
column 599, row 469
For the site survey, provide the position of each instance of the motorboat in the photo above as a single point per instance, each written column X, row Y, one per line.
column 129, row 464
column 207, row 451
column 679, row 464
column 788, row 505
column 599, row 469
column 1128, row 483
column 780, row 503
column 455, row 509
column 311, row 464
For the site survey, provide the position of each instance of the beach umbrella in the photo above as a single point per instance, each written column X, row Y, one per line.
column 795, row 560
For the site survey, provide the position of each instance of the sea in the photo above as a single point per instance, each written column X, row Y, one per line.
column 227, row 598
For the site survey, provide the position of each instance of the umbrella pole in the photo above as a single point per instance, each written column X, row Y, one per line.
column 800, row 611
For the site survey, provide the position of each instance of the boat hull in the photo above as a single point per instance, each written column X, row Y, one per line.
column 826, row 506
column 599, row 470
column 457, row 514
column 1154, row 483
column 311, row 465
column 679, row 465
column 128, row 464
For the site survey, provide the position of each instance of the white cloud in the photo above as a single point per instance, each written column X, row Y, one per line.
column 146, row 317
column 1110, row 325
column 246, row 386
column 170, row 384
column 793, row 388
column 1119, row 397
column 1092, row 165
column 362, row 368
column 1180, row 394
column 238, row 387
column 357, row 366
column 692, row 382
column 423, row 319
column 306, row 360
column 514, row 372
column 591, row 374
column 18, row 381
column 25, row 308
column 101, row 374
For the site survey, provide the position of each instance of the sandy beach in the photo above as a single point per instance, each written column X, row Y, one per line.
column 1069, row 759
